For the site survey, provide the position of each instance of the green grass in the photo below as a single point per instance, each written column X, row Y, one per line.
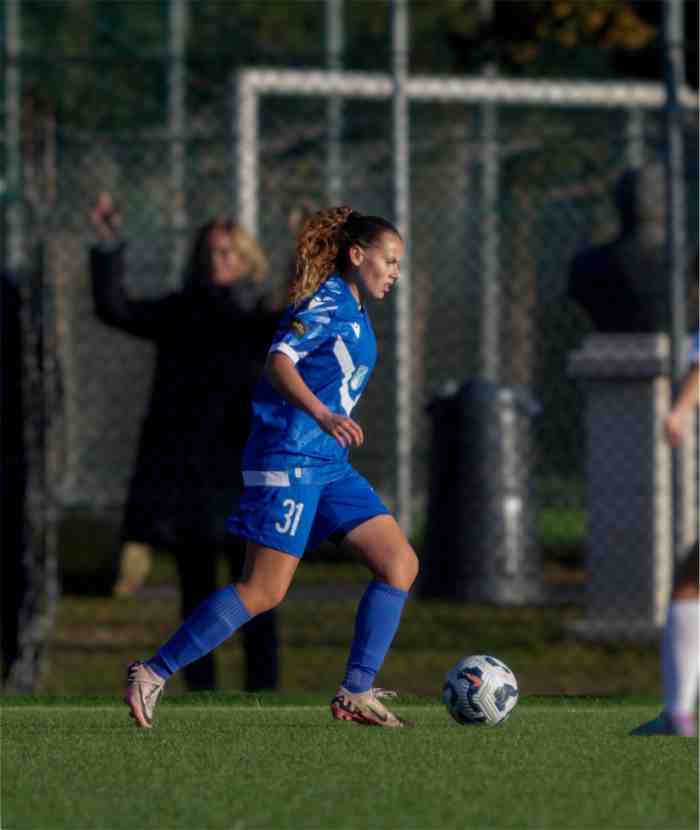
column 221, row 761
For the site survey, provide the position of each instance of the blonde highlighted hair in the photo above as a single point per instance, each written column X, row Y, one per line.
column 249, row 250
column 324, row 243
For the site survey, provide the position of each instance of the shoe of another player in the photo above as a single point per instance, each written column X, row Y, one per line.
column 665, row 724
column 143, row 691
column 366, row 708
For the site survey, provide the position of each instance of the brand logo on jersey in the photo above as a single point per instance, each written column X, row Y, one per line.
column 358, row 376
column 298, row 327
column 356, row 329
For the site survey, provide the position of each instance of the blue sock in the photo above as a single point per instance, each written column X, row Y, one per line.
column 206, row 628
column 377, row 620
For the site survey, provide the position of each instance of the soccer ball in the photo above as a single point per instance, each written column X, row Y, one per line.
column 480, row 690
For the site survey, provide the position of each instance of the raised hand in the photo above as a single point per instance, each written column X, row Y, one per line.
column 106, row 219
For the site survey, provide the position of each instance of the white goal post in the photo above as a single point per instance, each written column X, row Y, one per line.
column 253, row 84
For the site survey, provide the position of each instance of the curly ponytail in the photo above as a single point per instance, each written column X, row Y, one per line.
column 317, row 250
column 324, row 243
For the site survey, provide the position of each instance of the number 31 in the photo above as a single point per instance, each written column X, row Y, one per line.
column 291, row 517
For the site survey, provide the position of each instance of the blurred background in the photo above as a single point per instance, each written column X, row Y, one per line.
column 514, row 420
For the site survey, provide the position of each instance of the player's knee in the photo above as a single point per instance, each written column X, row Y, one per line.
column 402, row 569
column 258, row 599
column 412, row 566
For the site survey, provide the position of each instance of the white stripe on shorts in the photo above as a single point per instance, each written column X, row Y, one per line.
column 266, row 478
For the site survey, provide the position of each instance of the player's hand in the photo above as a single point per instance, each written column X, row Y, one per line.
column 674, row 427
column 106, row 219
column 347, row 433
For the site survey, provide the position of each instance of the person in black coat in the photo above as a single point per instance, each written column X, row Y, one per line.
column 211, row 338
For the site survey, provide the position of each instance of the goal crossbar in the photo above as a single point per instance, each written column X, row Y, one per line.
column 253, row 83
column 550, row 92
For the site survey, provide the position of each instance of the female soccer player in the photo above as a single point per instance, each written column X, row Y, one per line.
column 299, row 486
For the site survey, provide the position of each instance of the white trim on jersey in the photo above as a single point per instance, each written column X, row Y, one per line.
column 287, row 350
column 340, row 350
column 321, row 303
column 266, row 478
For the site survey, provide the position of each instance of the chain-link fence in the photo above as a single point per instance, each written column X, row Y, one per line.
column 490, row 247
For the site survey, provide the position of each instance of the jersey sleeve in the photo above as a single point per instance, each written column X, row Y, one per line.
column 694, row 352
column 304, row 329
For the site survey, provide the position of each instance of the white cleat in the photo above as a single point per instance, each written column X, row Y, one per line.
column 143, row 690
column 366, row 708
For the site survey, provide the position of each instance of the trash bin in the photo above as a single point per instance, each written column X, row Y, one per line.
column 481, row 541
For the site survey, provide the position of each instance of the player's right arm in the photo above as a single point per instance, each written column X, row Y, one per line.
column 285, row 379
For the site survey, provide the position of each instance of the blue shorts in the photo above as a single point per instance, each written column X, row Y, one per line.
column 292, row 517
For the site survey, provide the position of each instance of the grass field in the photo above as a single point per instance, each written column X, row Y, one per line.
column 238, row 762
column 72, row 759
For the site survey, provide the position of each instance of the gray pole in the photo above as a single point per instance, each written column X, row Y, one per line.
column 490, row 339
column 334, row 62
column 13, row 152
column 402, row 215
column 675, row 227
column 247, row 151
column 635, row 137
column 177, row 128
column 38, row 556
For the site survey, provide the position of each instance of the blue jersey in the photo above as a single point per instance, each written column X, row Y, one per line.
column 330, row 340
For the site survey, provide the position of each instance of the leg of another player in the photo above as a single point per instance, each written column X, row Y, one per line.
column 381, row 544
column 679, row 649
column 267, row 576
column 679, row 656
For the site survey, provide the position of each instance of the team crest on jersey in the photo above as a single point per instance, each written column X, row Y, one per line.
column 298, row 327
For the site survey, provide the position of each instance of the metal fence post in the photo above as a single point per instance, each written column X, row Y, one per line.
column 13, row 151
column 177, row 123
column 402, row 212
column 675, row 229
column 490, row 337
column 334, row 107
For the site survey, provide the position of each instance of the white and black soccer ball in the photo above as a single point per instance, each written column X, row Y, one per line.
column 480, row 690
